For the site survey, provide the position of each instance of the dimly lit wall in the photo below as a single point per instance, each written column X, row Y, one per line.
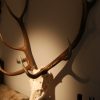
column 49, row 24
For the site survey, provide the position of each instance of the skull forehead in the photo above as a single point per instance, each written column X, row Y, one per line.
column 40, row 82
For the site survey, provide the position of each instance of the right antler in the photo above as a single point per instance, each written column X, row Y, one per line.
column 66, row 55
column 25, row 48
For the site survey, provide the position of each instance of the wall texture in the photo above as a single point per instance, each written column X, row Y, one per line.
column 49, row 24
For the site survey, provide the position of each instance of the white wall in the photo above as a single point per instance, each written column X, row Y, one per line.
column 49, row 23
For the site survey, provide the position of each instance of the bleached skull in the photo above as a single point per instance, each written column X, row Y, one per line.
column 39, row 86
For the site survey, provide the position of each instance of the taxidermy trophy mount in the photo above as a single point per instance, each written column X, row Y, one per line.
column 40, row 78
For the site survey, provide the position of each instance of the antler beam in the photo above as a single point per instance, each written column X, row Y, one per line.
column 25, row 48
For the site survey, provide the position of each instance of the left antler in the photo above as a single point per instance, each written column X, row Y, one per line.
column 66, row 55
column 25, row 48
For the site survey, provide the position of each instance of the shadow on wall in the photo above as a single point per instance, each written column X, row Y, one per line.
column 67, row 70
column 55, row 14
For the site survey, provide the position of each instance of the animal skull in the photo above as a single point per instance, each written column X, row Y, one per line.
column 39, row 86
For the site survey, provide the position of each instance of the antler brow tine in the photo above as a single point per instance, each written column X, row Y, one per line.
column 8, row 45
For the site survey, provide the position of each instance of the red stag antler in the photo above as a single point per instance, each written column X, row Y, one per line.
column 25, row 48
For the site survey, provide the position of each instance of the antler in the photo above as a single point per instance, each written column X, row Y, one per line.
column 25, row 48
column 66, row 55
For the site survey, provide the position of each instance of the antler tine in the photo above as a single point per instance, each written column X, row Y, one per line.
column 25, row 9
column 8, row 45
column 66, row 55
column 14, row 73
column 23, row 13
column 13, row 15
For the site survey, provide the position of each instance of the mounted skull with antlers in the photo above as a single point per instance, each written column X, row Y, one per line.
column 32, row 71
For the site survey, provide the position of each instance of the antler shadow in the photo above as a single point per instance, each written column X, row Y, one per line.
column 67, row 70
